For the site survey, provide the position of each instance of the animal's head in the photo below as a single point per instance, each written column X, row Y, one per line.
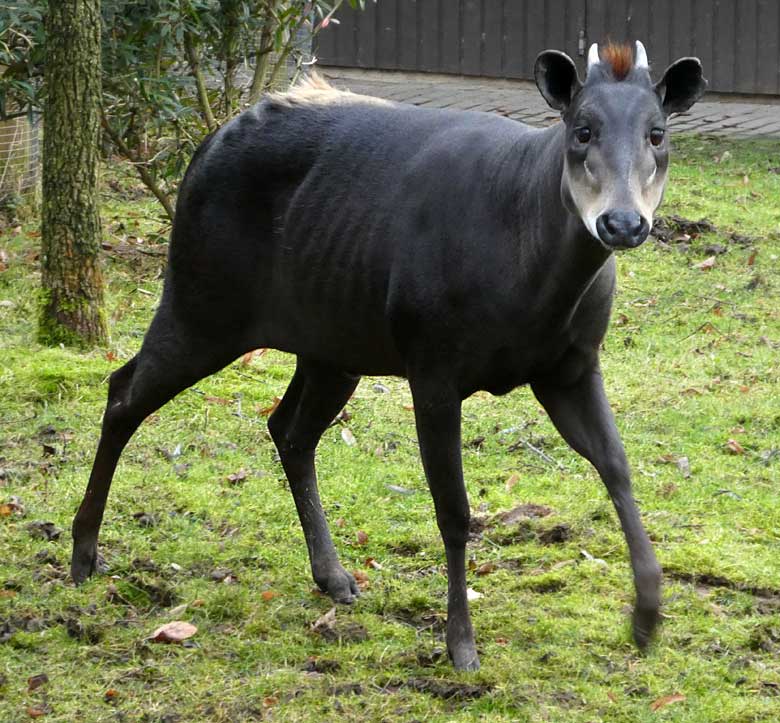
column 617, row 150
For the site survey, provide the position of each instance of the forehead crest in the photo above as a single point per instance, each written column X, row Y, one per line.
column 619, row 58
column 616, row 61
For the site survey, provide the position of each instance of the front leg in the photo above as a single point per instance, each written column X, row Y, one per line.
column 437, row 413
column 582, row 415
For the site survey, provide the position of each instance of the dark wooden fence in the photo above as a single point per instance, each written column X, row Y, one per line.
column 738, row 41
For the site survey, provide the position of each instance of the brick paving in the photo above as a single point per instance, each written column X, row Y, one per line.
column 521, row 100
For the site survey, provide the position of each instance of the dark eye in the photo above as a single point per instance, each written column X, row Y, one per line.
column 657, row 136
column 582, row 134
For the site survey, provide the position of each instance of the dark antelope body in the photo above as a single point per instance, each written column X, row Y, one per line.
column 461, row 250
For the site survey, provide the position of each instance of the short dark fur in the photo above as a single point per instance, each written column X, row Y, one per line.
column 383, row 239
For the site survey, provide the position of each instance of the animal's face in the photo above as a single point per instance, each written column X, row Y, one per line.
column 617, row 150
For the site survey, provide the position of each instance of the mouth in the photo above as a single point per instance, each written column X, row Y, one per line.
column 625, row 246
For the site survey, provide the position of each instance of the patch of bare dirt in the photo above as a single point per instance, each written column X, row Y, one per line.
column 444, row 689
column 767, row 599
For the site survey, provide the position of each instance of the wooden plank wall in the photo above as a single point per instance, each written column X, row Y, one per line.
column 738, row 41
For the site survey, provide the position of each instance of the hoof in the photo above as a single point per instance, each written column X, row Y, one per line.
column 85, row 562
column 464, row 657
column 340, row 586
column 645, row 623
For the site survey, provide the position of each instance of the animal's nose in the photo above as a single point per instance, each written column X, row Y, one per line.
column 622, row 229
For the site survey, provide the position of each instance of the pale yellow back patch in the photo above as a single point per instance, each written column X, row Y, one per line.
column 315, row 90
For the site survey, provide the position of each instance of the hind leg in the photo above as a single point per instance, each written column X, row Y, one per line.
column 315, row 396
column 171, row 359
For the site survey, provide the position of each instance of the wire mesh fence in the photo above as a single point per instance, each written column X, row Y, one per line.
column 20, row 156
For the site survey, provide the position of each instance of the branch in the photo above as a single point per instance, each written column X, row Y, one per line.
column 203, row 96
column 262, row 60
column 525, row 443
column 12, row 116
column 281, row 63
column 146, row 177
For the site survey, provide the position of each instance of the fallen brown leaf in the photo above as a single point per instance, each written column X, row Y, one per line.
column 247, row 358
column 267, row 411
column 9, row 508
column 237, row 477
column 665, row 700
column 36, row 681
column 217, row 400
column 735, row 447
column 361, row 579
column 174, row 632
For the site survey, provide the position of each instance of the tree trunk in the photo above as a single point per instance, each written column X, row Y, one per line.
column 72, row 298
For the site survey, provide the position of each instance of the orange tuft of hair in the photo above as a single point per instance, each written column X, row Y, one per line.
column 620, row 58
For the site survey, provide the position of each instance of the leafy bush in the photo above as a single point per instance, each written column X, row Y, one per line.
column 172, row 69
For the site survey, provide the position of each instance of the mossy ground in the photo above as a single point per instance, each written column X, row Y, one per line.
column 691, row 362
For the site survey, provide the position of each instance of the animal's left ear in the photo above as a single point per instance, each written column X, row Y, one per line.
column 682, row 85
column 556, row 77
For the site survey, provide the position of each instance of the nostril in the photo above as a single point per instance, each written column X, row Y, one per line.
column 607, row 223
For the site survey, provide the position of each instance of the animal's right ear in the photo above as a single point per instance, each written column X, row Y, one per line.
column 556, row 77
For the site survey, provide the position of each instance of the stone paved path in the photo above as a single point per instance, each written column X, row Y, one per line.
column 521, row 100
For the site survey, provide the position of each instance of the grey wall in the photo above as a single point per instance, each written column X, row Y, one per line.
column 738, row 41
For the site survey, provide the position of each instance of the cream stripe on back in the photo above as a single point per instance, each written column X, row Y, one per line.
column 315, row 90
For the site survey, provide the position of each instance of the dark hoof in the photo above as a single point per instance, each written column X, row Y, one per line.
column 340, row 586
column 645, row 624
column 85, row 562
column 464, row 657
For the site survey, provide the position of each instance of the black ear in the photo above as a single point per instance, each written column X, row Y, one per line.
column 682, row 85
column 556, row 77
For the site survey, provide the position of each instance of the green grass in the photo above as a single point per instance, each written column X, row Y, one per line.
column 691, row 362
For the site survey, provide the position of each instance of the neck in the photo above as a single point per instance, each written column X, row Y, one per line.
column 559, row 257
